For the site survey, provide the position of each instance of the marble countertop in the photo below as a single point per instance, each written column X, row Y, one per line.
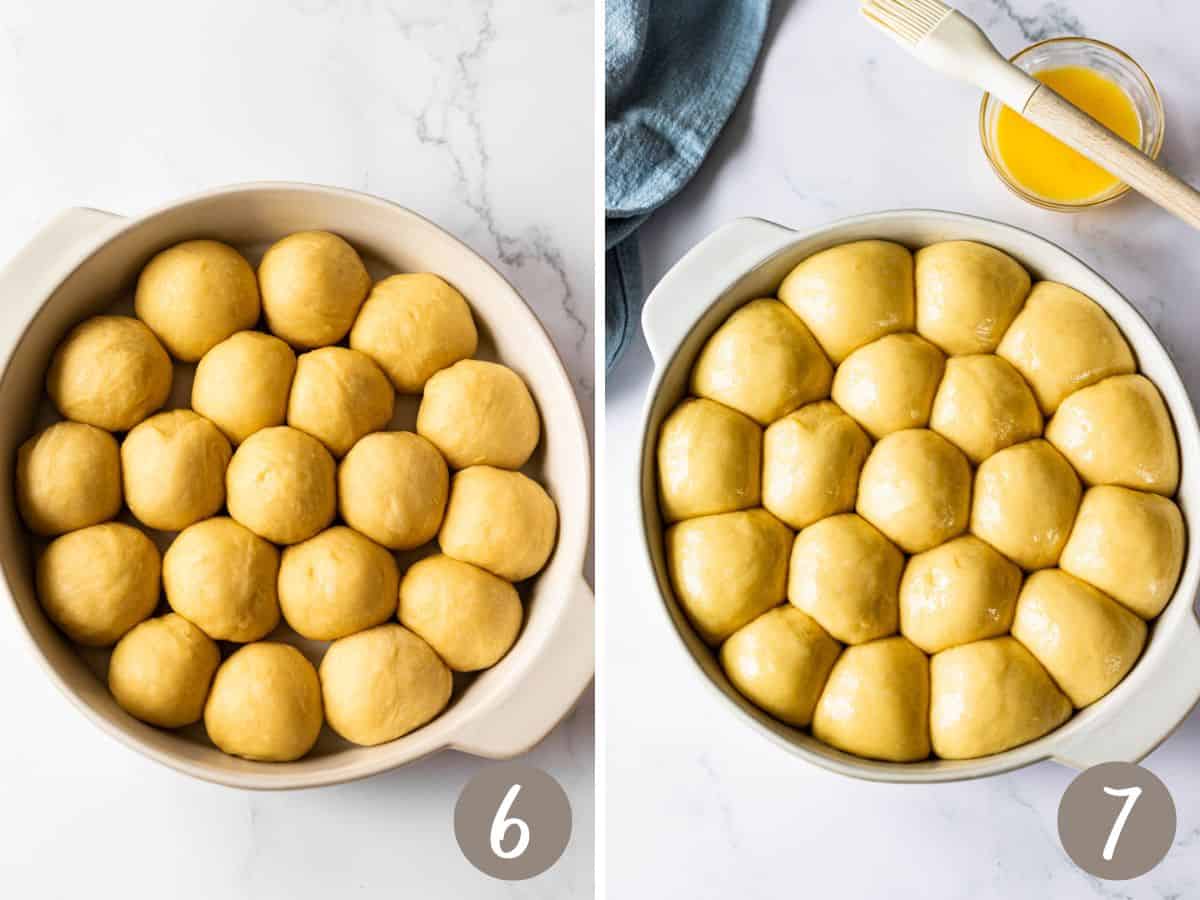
column 839, row 121
column 476, row 114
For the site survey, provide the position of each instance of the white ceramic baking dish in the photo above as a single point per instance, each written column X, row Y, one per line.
column 748, row 258
column 84, row 260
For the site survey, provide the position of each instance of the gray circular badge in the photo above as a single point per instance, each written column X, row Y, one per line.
column 512, row 821
column 1116, row 821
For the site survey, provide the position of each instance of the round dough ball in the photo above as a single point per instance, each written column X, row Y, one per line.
column 967, row 295
column 846, row 575
column 161, row 670
column 338, row 396
column 479, row 414
column 960, row 592
column 762, row 362
column 174, row 469
column 780, row 663
column 852, row 294
column 242, row 384
column 888, row 385
column 1026, row 497
column 811, row 462
column 382, row 683
column 1119, row 432
column 1128, row 544
column 337, row 583
column 500, row 521
column 709, row 461
column 414, row 325
column 68, row 477
column 990, row 696
column 98, row 582
column 280, row 485
column 983, row 406
column 109, row 371
column 916, row 489
column 469, row 616
column 729, row 569
column 221, row 576
column 392, row 486
column 876, row 702
column 265, row 704
column 1063, row 341
column 312, row 285
column 196, row 294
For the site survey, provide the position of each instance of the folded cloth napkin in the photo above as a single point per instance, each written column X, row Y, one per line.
column 673, row 72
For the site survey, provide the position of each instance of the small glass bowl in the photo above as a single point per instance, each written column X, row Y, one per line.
column 1100, row 57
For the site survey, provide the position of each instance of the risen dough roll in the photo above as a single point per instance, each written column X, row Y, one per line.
column 312, row 285
column 242, row 384
column 338, row 396
column 500, row 521
column 763, row 362
column 174, row 469
column 984, row 405
column 967, row 295
column 98, row 582
column 728, row 569
column 889, row 384
column 68, row 477
column 469, row 616
column 479, row 414
column 109, row 371
column 392, row 487
column 161, row 670
column 280, row 485
column 196, row 294
column 382, row 683
column 709, row 461
column 414, row 325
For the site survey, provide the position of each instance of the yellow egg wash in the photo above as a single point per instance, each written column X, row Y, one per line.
column 1045, row 166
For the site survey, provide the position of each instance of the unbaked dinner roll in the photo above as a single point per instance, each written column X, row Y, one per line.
column 196, row 294
column 479, row 414
column 763, row 362
column 967, row 295
column 68, row 477
column 1119, row 432
column 709, row 460
column 811, row 462
column 382, row 683
column 990, row 696
column 1128, row 544
column 1026, row 497
column 312, row 285
column 499, row 520
column 339, row 395
column 846, row 575
column 960, row 592
column 1062, row 341
column 728, row 569
column 414, row 325
column 780, row 663
column 280, row 485
column 392, row 486
column 174, row 466
column 469, row 616
column 161, row 670
column 916, row 489
column 851, row 294
column 98, row 582
column 889, row 384
column 109, row 371
column 221, row 576
column 242, row 384
column 876, row 702
column 337, row 583
column 984, row 405
column 265, row 704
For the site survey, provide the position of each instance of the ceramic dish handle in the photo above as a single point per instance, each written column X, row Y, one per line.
column 548, row 690
column 687, row 289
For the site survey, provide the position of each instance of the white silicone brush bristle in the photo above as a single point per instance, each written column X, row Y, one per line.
column 908, row 20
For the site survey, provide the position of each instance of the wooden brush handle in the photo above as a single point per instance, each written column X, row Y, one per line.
column 1112, row 153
